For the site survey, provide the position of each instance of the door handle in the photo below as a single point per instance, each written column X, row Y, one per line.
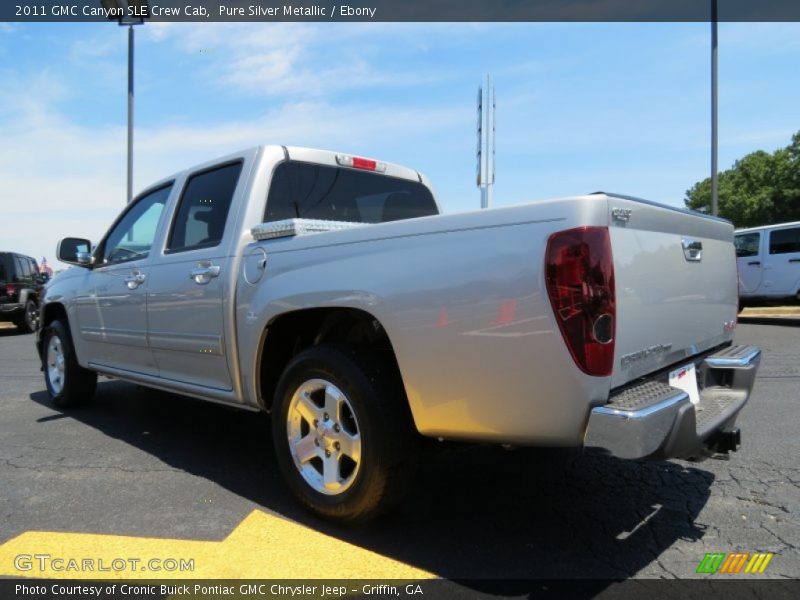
column 755, row 263
column 204, row 272
column 794, row 260
column 135, row 279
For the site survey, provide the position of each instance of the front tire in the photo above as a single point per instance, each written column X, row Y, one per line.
column 343, row 434
column 68, row 383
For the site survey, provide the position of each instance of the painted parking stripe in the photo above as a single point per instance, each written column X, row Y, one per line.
column 262, row 546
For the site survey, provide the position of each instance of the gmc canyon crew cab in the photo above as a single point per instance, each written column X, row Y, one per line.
column 328, row 290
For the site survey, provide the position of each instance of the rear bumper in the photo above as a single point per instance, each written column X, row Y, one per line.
column 653, row 420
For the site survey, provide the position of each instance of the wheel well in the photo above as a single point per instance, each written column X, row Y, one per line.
column 49, row 313
column 290, row 333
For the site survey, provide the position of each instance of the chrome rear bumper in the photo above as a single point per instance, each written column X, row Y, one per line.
column 653, row 420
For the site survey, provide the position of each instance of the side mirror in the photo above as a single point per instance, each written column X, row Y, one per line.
column 75, row 251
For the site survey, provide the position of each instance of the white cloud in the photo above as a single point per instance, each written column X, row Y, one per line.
column 310, row 60
column 158, row 30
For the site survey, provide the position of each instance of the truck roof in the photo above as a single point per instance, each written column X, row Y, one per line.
column 762, row 227
column 328, row 157
column 302, row 154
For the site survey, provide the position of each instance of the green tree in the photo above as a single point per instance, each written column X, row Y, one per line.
column 760, row 189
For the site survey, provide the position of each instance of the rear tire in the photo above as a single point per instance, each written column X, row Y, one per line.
column 68, row 384
column 343, row 433
column 27, row 321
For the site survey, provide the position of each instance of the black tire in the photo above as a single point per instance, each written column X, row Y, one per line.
column 27, row 322
column 388, row 443
column 78, row 384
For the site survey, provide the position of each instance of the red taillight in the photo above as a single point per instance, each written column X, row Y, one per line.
column 579, row 273
column 11, row 290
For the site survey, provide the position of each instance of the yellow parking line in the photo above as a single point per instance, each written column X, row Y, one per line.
column 262, row 546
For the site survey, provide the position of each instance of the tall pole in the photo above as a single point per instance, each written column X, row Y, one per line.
column 130, row 113
column 714, row 199
column 486, row 143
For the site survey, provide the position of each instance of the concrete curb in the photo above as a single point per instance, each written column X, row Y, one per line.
column 771, row 311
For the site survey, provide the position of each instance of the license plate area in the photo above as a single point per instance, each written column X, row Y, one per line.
column 685, row 378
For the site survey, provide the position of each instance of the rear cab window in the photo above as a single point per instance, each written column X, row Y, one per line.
column 312, row 191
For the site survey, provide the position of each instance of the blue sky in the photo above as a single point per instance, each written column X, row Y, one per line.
column 580, row 107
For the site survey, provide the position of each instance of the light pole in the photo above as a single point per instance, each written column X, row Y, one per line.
column 135, row 12
column 714, row 135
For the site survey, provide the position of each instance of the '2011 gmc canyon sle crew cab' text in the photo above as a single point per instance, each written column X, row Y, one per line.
column 328, row 290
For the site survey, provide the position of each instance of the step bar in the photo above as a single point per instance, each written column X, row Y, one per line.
column 653, row 420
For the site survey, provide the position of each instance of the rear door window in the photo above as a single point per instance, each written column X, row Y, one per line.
column 203, row 209
column 784, row 241
column 312, row 191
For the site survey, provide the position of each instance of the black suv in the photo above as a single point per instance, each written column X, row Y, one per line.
column 20, row 286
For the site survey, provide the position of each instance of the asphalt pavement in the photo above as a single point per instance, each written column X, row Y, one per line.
column 149, row 464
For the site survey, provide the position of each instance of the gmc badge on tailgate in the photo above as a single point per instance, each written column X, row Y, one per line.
column 692, row 249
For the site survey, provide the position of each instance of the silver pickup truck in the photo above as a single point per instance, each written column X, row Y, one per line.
column 328, row 290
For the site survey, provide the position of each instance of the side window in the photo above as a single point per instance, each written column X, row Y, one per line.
column 132, row 237
column 784, row 241
column 203, row 209
column 34, row 267
column 747, row 244
column 3, row 274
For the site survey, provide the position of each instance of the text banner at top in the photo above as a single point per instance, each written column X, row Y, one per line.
column 399, row 10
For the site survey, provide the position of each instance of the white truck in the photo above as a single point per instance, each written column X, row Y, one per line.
column 328, row 290
column 768, row 259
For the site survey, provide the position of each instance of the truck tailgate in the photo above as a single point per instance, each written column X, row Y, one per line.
column 676, row 285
